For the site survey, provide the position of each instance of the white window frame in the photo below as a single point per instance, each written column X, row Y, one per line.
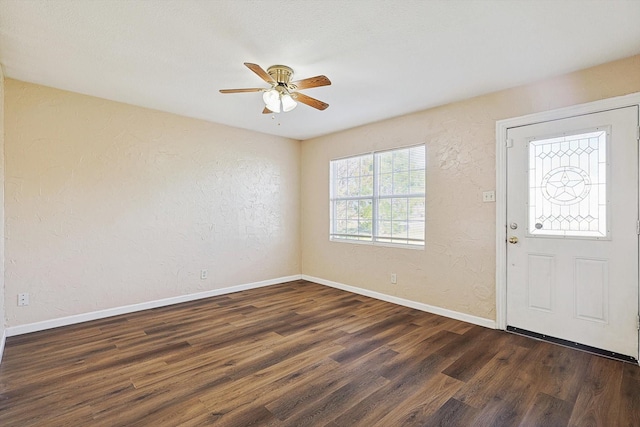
column 374, row 238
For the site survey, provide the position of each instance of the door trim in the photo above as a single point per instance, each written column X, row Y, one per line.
column 502, row 126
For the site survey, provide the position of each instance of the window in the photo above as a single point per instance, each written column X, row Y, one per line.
column 379, row 197
column 568, row 186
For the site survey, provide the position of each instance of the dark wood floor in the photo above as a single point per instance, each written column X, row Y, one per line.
column 301, row 354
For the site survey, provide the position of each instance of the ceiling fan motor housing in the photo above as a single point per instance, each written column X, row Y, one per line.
column 281, row 74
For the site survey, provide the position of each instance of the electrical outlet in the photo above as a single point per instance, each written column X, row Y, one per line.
column 204, row 273
column 394, row 278
column 23, row 299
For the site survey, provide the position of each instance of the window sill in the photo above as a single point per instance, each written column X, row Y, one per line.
column 383, row 244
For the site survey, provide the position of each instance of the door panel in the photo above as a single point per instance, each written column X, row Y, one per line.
column 592, row 289
column 540, row 282
column 572, row 196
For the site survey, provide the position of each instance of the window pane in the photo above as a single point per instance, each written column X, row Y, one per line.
column 342, row 188
column 417, row 158
column 366, row 165
column 385, row 184
column 366, row 185
column 352, row 209
column 384, row 209
column 416, row 209
column 352, row 227
column 416, row 182
column 385, row 161
column 354, row 187
column 416, row 230
column 400, row 183
column 399, row 209
column 341, row 209
column 400, row 160
column 365, row 228
column 384, row 228
column 354, row 166
column 365, row 211
column 341, row 169
column 399, row 229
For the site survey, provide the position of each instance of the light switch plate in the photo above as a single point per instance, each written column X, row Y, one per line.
column 488, row 196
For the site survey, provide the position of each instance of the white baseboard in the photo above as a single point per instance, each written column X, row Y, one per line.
column 481, row 321
column 3, row 339
column 101, row 314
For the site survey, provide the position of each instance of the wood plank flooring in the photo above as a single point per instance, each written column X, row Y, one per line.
column 301, row 354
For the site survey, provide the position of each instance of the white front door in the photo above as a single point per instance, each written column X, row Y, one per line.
column 572, row 240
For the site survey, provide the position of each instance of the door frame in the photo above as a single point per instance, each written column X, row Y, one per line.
column 502, row 127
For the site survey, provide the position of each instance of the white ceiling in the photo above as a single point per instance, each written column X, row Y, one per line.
column 385, row 58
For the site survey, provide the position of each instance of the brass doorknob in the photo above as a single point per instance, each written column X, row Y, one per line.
column 513, row 240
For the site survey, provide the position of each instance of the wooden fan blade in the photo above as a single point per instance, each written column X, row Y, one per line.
column 311, row 102
column 260, row 72
column 316, row 81
column 267, row 111
column 251, row 89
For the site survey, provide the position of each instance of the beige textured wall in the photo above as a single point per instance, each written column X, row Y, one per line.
column 109, row 204
column 2, row 285
column 456, row 270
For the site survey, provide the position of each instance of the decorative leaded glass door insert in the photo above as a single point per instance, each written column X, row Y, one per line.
column 568, row 186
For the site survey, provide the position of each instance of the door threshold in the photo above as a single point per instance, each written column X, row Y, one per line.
column 571, row 344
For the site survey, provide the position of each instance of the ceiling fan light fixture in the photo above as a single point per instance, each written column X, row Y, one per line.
column 288, row 103
column 271, row 99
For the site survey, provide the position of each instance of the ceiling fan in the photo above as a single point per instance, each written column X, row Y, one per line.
column 283, row 93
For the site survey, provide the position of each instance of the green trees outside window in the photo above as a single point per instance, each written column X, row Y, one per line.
column 379, row 197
